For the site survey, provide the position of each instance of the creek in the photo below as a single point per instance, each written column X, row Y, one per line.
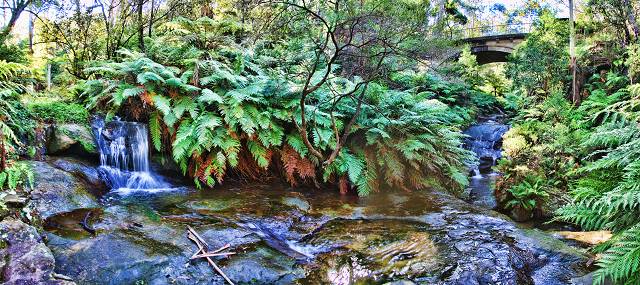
column 485, row 140
column 285, row 235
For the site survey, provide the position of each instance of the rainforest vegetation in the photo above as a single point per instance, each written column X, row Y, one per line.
column 352, row 97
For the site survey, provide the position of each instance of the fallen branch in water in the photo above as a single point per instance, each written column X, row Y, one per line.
column 203, row 251
column 85, row 224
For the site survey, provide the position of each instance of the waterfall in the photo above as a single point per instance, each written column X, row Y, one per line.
column 124, row 156
column 485, row 140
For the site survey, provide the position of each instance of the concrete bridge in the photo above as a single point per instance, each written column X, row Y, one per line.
column 495, row 43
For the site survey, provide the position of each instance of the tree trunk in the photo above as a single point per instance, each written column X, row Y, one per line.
column 140, row 25
column 31, row 34
column 15, row 14
column 575, row 95
column 632, row 19
column 3, row 153
column 151, row 13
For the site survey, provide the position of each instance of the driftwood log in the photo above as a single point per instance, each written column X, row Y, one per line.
column 204, row 251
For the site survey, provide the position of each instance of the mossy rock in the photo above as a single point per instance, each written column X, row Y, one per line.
column 70, row 137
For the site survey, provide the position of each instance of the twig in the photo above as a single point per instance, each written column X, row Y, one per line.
column 202, row 245
column 211, row 254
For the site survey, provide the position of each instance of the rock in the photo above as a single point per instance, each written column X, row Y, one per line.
column 591, row 238
column 548, row 207
column 14, row 200
column 81, row 169
column 400, row 282
column 157, row 251
column 520, row 214
column 588, row 280
column 57, row 191
column 25, row 257
column 64, row 137
column 419, row 237
column 297, row 202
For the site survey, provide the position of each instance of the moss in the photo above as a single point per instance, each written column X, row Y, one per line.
column 87, row 143
column 59, row 112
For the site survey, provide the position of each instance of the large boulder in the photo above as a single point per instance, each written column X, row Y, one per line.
column 24, row 258
column 57, row 191
column 80, row 168
column 70, row 137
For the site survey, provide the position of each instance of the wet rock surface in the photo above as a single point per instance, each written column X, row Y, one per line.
column 82, row 169
column 485, row 139
column 57, row 191
column 24, row 258
column 284, row 236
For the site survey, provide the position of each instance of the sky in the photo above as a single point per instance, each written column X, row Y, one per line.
column 21, row 28
column 561, row 5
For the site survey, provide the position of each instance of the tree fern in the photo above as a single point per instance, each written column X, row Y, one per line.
column 224, row 105
column 608, row 195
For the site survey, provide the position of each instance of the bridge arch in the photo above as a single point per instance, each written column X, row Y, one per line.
column 494, row 48
column 495, row 43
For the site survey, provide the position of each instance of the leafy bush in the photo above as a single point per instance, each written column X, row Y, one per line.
column 17, row 175
column 225, row 111
column 607, row 196
column 540, row 62
column 15, row 122
column 528, row 193
column 59, row 112
column 544, row 144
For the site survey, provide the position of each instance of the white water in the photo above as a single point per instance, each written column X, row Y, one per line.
column 124, row 157
column 485, row 140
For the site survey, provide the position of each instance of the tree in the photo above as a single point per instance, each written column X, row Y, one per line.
column 575, row 94
column 354, row 38
column 15, row 10
column 540, row 63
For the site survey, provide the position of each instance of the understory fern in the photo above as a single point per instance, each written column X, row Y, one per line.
column 223, row 111
column 608, row 195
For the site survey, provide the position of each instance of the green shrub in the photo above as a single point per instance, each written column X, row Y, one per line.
column 59, row 112
column 528, row 194
column 17, row 175
column 241, row 118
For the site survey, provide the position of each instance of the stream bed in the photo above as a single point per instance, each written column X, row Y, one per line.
column 285, row 235
column 137, row 234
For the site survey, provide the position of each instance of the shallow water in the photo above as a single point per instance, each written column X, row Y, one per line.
column 285, row 235
column 485, row 140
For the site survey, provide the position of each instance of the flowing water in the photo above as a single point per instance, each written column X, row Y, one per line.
column 285, row 235
column 485, row 140
column 124, row 156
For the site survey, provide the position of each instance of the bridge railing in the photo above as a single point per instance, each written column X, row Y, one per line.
column 496, row 30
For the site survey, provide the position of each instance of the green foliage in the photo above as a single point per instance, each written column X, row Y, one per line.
column 17, row 175
column 15, row 120
column 13, row 53
column 540, row 63
column 59, row 112
column 605, row 196
column 231, row 109
column 527, row 193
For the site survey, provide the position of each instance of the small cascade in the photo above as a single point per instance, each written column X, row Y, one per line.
column 124, row 156
column 485, row 140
